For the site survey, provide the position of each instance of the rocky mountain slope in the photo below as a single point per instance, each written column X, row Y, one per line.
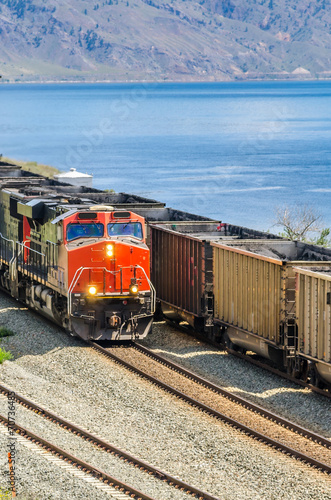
column 179, row 40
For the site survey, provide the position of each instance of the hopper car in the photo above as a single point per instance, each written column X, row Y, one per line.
column 313, row 299
column 237, row 287
column 182, row 267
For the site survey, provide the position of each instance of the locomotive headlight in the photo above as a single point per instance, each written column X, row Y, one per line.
column 134, row 289
column 110, row 250
column 92, row 290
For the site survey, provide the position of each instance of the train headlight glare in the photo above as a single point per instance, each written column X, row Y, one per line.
column 110, row 250
column 134, row 289
column 92, row 290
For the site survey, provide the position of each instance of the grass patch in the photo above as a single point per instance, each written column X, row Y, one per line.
column 5, row 494
column 5, row 332
column 34, row 167
column 5, row 356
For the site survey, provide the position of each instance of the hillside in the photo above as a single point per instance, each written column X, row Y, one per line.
column 179, row 40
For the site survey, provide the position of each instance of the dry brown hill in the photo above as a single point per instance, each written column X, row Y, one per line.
column 157, row 40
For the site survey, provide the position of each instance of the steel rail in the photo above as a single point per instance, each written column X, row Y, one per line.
column 80, row 464
column 189, row 331
column 75, row 429
column 278, row 372
column 234, row 423
column 237, row 399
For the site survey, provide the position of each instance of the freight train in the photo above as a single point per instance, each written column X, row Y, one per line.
column 65, row 251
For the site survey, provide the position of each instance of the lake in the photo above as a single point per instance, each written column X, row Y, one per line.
column 231, row 151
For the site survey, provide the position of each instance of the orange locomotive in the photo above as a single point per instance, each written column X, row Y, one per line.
column 84, row 266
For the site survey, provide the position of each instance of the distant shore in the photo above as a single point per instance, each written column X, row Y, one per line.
column 289, row 78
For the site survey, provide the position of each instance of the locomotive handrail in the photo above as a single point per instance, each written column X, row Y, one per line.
column 10, row 241
column 42, row 271
column 78, row 274
column 153, row 291
column 4, row 238
column 52, row 255
column 23, row 244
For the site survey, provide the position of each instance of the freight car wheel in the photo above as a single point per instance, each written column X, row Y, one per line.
column 315, row 378
column 230, row 345
column 304, row 370
column 298, row 368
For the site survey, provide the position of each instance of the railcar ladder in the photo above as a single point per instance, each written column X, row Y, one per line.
column 290, row 318
column 208, row 306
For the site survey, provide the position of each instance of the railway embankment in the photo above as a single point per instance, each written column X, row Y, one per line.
column 71, row 379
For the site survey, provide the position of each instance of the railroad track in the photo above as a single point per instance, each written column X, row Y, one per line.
column 256, row 362
column 240, row 413
column 102, row 444
column 281, row 374
column 85, row 467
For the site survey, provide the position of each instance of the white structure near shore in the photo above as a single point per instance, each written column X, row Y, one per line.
column 75, row 178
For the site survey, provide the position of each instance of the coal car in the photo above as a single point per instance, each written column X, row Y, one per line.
column 313, row 299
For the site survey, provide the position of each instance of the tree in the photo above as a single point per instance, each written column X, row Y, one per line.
column 323, row 239
column 301, row 222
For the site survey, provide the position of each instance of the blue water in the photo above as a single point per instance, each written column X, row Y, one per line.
column 232, row 151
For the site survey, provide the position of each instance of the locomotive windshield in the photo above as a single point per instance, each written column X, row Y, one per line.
column 88, row 230
column 125, row 229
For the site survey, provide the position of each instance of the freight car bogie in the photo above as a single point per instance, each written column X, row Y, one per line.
column 290, row 361
column 243, row 341
column 176, row 316
column 320, row 375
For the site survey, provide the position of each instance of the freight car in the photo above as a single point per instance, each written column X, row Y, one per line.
column 236, row 286
column 313, row 299
column 85, row 266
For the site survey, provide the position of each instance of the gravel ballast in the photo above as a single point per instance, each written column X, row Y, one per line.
column 71, row 379
column 281, row 396
column 39, row 478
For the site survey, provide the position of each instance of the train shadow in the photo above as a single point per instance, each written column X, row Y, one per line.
column 240, row 377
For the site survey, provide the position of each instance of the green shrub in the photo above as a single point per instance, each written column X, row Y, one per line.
column 5, row 355
column 5, row 332
column 5, row 494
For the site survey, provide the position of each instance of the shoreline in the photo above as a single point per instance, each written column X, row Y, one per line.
column 184, row 82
